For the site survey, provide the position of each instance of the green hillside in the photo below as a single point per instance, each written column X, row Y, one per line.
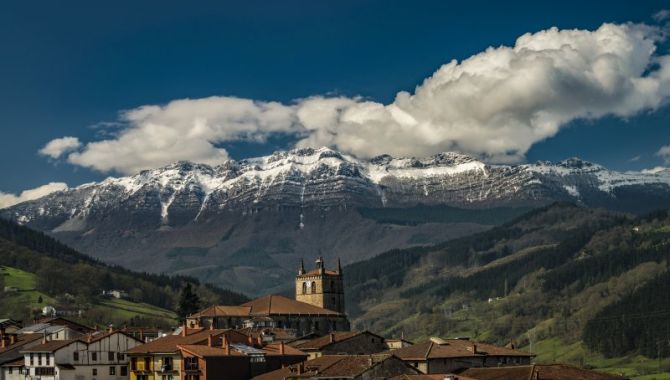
column 36, row 266
column 576, row 284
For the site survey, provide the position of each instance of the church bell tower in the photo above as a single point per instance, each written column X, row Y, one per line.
column 320, row 287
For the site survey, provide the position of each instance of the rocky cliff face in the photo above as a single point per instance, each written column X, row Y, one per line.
column 243, row 224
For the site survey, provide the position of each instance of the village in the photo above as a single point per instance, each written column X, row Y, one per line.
column 269, row 338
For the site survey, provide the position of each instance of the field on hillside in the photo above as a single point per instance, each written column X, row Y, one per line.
column 24, row 295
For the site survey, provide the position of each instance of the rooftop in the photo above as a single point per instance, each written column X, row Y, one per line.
column 52, row 345
column 169, row 343
column 265, row 306
column 332, row 338
column 329, row 366
column 453, row 348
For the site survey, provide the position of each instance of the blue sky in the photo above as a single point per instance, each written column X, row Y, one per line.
column 66, row 68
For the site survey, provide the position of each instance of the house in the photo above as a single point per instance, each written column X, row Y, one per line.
column 536, row 371
column 364, row 367
column 9, row 325
column 52, row 332
column 162, row 358
column 318, row 307
column 270, row 335
column 118, row 294
column 448, row 376
column 100, row 357
column 342, row 343
column 144, row 334
column 446, row 355
column 11, row 359
column 236, row 361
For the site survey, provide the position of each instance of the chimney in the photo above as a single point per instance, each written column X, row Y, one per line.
column 12, row 339
column 332, row 337
column 250, row 341
column 211, row 326
column 183, row 330
column 110, row 328
column 259, row 341
column 474, row 348
column 142, row 335
column 226, row 345
column 3, row 342
column 210, row 340
column 281, row 348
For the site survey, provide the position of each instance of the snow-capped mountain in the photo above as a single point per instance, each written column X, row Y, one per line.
column 216, row 221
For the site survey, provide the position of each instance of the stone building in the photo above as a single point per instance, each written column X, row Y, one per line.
column 321, row 287
column 318, row 307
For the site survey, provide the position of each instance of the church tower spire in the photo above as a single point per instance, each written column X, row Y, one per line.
column 301, row 269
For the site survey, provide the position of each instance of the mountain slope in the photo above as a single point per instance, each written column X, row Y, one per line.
column 557, row 273
column 246, row 223
column 45, row 272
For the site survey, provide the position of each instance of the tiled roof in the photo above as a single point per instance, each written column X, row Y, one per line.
column 273, row 305
column 453, row 348
column 13, row 351
column 265, row 306
column 329, row 366
column 51, row 346
column 99, row 337
column 276, row 332
column 169, row 343
column 544, row 372
column 433, row 377
column 332, row 338
column 224, row 311
column 269, row 350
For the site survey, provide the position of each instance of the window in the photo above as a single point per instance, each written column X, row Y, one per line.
column 94, row 356
column 39, row 359
column 45, row 371
column 304, row 288
column 95, row 372
column 191, row 363
column 75, row 356
column 120, row 356
column 112, row 370
column 32, row 360
column 124, row 371
column 313, row 287
column 142, row 377
column 9, row 370
column 167, row 377
column 110, row 356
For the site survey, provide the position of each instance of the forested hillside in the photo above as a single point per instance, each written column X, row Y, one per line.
column 587, row 276
column 75, row 281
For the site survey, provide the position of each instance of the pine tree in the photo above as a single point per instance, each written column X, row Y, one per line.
column 39, row 299
column 189, row 302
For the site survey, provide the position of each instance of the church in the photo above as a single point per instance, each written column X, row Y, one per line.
column 318, row 306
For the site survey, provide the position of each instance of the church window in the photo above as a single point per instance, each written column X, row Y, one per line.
column 304, row 288
column 313, row 287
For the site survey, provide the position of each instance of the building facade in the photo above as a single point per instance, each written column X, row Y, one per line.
column 321, row 287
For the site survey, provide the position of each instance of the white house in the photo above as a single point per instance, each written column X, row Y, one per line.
column 97, row 358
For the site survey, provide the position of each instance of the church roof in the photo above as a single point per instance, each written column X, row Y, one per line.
column 265, row 306
column 274, row 305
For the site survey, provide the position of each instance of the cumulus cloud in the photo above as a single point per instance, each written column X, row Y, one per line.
column 494, row 105
column 57, row 147
column 7, row 199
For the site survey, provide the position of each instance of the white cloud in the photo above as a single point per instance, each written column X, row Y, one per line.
column 7, row 199
column 661, row 15
column 664, row 153
column 58, row 147
column 494, row 105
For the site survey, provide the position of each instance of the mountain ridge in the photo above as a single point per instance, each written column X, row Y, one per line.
column 201, row 220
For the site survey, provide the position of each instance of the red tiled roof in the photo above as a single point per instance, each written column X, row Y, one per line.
column 269, row 350
column 224, row 311
column 265, row 306
column 433, row 377
column 52, row 345
column 169, row 343
column 321, row 342
column 453, row 348
column 542, row 371
column 273, row 305
column 330, row 366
